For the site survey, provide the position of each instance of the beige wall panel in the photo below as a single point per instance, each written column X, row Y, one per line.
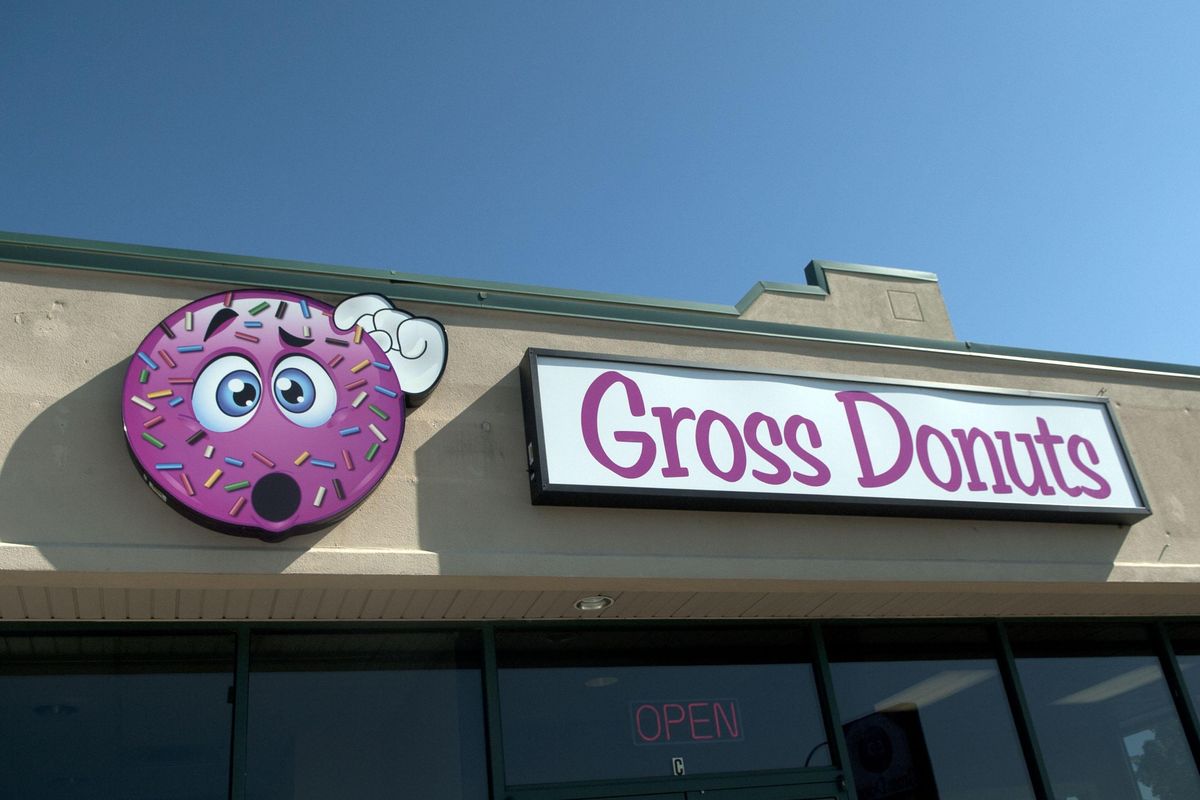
column 862, row 303
column 456, row 504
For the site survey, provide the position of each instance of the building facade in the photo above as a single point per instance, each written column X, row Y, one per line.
column 670, row 598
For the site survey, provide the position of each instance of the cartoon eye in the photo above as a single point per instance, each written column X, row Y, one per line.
column 226, row 394
column 304, row 391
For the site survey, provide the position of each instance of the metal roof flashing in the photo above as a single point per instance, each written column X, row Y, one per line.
column 201, row 266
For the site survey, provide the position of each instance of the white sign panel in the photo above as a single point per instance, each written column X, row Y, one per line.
column 607, row 432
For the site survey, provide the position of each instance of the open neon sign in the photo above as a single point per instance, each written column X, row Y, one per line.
column 685, row 721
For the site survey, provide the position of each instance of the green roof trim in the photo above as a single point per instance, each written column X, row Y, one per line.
column 162, row 262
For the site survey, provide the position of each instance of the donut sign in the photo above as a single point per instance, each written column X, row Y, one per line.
column 269, row 414
column 619, row 432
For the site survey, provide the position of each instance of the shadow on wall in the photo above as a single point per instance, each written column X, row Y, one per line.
column 68, row 487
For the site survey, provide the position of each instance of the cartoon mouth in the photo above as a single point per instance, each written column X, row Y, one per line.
column 276, row 496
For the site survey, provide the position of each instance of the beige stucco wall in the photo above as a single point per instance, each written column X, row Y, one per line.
column 453, row 516
column 859, row 302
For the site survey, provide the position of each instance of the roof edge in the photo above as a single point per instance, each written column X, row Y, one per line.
column 81, row 254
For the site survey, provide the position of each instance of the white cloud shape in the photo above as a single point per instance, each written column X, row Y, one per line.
column 415, row 346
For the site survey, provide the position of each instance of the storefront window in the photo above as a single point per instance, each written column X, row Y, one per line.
column 586, row 706
column 134, row 717
column 1103, row 714
column 925, row 714
column 367, row 716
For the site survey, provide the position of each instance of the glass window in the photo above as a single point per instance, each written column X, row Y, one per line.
column 619, row 704
column 925, row 714
column 366, row 716
column 1103, row 714
column 134, row 717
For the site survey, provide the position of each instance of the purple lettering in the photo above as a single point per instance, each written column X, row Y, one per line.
column 782, row 471
column 924, row 434
column 590, row 422
column 1048, row 440
column 704, row 430
column 1102, row 489
column 967, row 441
column 871, row 479
column 1037, row 483
column 820, row 475
column 668, row 421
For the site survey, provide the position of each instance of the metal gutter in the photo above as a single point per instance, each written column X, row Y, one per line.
column 37, row 250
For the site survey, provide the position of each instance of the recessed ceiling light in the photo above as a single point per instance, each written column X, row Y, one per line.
column 595, row 602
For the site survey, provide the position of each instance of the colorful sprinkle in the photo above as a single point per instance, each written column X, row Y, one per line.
column 307, row 331
column 187, row 484
column 320, row 498
column 349, row 461
column 165, row 356
column 304, row 308
column 152, row 440
column 281, row 309
column 333, row 362
column 318, row 462
column 268, row 462
column 237, row 462
column 358, row 331
column 212, row 479
column 233, row 487
column 360, row 366
column 245, row 337
column 379, row 412
column 144, row 375
column 188, row 321
column 208, row 451
column 356, row 402
column 350, row 431
column 300, row 459
column 174, row 401
column 372, row 451
column 167, row 329
column 356, row 384
column 338, row 490
column 148, row 360
column 169, row 466
column 160, row 393
column 180, row 381
column 378, row 433
column 258, row 309
column 197, row 436
column 150, row 423
column 241, row 501
column 139, row 401
column 382, row 366
column 336, row 342
column 387, row 392
column 190, row 348
column 252, row 323
column 228, row 299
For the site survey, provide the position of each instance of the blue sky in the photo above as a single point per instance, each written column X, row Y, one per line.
column 1042, row 157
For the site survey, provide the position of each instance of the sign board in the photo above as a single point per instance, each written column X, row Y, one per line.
column 634, row 433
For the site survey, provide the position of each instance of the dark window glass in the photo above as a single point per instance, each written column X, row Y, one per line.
column 1104, row 717
column 1186, row 640
column 926, row 729
column 581, row 706
column 365, row 716
column 130, row 717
